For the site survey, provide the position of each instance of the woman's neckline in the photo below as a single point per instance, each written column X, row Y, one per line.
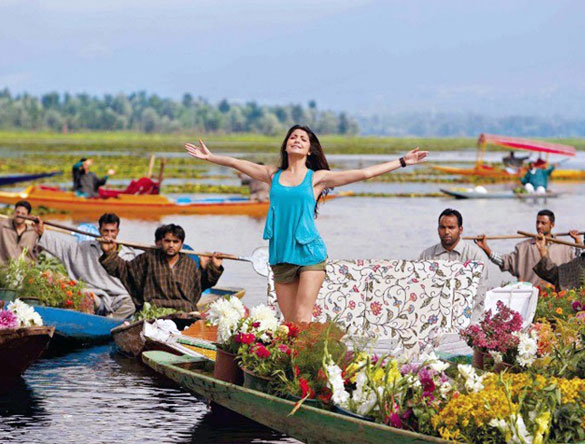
column 292, row 186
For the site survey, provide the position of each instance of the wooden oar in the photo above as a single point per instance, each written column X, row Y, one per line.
column 258, row 259
column 514, row 236
column 504, row 236
column 552, row 239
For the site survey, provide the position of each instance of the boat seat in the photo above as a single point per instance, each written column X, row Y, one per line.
column 521, row 297
column 407, row 303
column 142, row 186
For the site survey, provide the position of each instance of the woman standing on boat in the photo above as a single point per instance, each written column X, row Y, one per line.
column 297, row 252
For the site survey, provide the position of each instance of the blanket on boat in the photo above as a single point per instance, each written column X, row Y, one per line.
column 408, row 302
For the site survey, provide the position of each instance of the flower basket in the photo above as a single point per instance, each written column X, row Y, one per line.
column 226, row 368
column 256, row 382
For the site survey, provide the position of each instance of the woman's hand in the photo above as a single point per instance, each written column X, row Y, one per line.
column 198, row 151
column 415, row 156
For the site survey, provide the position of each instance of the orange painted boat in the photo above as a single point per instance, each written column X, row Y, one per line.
column 143, row 206
column 481, row 169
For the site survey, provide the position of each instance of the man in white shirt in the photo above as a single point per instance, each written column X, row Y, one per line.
column 453, row 248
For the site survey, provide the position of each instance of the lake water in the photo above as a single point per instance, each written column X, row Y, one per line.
column 95, row 395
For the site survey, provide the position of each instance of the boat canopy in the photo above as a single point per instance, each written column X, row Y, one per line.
column 526, row 144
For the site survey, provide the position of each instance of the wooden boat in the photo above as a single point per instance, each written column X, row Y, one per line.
column 76, row 327
column 17, row 178
column 480, row 169
column 128, row 336
column 19, row 347
column 144, row 206
column 462, row 193
column 308, row 424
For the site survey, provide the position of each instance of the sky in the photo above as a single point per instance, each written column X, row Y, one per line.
column 498, row 58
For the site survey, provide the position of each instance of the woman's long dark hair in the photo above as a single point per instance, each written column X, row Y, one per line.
column 315, row 160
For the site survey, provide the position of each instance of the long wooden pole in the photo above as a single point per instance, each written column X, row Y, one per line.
column 514, row 236
column 552, row 239
column 133, row 244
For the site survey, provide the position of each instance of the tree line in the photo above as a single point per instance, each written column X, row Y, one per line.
column 150, row 113
column 426, row 124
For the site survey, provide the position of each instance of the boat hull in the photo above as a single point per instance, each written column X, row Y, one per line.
column 20, row 347
column 77, row 327
column 11, row 180
column 464, row 194
column 498, row 173
column 130, row 341
column 308, row 424
column 128, row 205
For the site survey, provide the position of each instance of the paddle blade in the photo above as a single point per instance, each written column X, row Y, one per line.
column 259, row 261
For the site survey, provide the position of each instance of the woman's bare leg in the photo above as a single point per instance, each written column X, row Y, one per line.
column 286, row 295
column 310, row 282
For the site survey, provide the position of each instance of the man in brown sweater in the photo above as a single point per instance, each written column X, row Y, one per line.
column 164, row 277
column 16, row 235
column 520, row 263
column 564, row 276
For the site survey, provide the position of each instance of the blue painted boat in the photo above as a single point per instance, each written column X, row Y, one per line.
column 74, row 326
column 9, row 180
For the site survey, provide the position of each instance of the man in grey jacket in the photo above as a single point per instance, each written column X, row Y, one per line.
column 81, row 260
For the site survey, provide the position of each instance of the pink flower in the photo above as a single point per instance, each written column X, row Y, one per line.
column 395, row 421
column 8, row 319
column 577, row 306
column 376, row 308
column 283, row 348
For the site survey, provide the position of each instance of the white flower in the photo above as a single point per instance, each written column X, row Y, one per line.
column 496, row 356
column 514, row 429
column 337, row 385
column 366, row 406
column 226, row 313
column 266, row 316
column 527, row 349
column 27, row 316
column 282, row 330
column 432, row 360
column 445, row 389
column 473, row 382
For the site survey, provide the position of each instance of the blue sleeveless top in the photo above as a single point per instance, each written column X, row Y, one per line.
column 290, row 225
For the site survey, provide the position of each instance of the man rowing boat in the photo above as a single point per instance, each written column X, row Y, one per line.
column 16, row 236
column 164, row 277
column 520, row 263
column 81, row 260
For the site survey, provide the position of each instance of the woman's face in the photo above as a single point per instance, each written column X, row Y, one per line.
column 298, row 143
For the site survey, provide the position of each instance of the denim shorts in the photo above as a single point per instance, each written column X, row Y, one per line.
column 287, row 273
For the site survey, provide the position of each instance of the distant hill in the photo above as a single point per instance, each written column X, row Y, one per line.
column 468, row 125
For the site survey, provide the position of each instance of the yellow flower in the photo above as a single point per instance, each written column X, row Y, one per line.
column 559, row 310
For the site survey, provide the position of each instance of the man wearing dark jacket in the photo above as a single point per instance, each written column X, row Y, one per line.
column 164, row 277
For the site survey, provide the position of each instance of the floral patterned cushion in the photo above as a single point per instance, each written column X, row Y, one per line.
column 406, row 301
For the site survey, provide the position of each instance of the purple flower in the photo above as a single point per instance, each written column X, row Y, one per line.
column 395, row 420
column 8, row 319
column 577, row 306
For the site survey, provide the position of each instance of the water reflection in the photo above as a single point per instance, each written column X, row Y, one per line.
column 222, row 426
column 96, row 395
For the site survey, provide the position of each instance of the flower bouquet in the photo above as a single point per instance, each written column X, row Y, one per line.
column 305, row 377
column 47, row 283
column 498, row 341
column 402, row 395
column 18, row 314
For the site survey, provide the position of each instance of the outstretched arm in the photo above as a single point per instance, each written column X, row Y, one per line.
column 259, row 172
column 330, row 179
